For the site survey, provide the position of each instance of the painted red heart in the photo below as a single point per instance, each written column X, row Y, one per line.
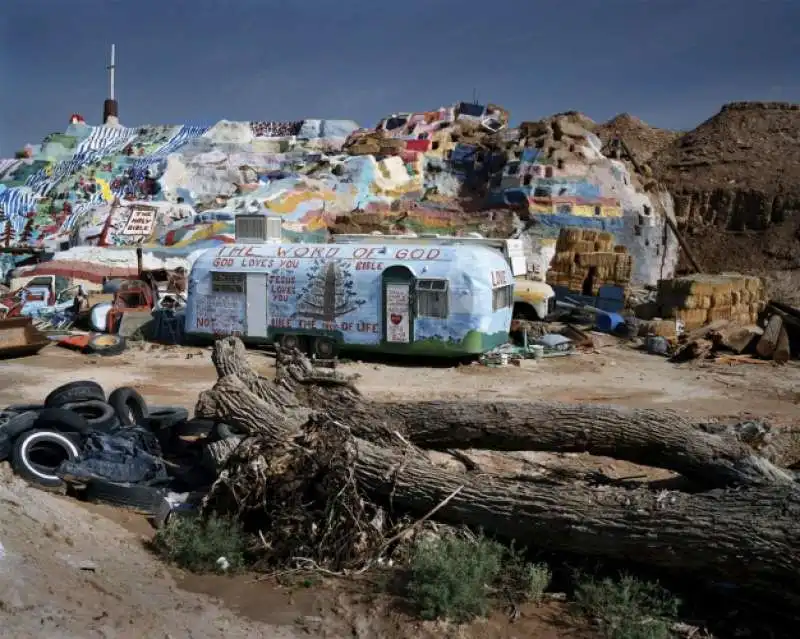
column 395, row 319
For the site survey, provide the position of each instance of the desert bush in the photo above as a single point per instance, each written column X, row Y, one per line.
column 523, row 580
column 626, row 608
column 453, row 577
column 450, row 577
column 197, row 544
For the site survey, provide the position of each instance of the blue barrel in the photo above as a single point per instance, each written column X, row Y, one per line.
column 608, row 322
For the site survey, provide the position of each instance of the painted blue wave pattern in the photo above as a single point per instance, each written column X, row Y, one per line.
column 184, row 135
column 15, row 203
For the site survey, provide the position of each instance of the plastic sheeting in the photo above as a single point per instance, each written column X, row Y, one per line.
column 126, row 455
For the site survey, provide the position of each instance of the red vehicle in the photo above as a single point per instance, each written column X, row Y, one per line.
column 132, row 295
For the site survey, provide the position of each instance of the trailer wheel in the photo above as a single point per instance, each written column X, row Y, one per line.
column 325, row 348
column 290, row 340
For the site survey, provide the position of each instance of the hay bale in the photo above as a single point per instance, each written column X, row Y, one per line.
column 692, row 318
column 720, row 313
column 723, row 298
column 606, row 260
column 605, row 236
column 563, row 259
column 620, row 249
column 583, row 246
column 603, row 247
column 660, row 327
column 589, row 235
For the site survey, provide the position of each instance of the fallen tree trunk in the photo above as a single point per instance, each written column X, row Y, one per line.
column 661, row 439
column 230, row 401
column 324, row 493
column 748, row 537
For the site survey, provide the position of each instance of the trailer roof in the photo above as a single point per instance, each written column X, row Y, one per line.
column 255, row 257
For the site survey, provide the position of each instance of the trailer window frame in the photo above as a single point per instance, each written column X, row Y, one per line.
column 502, row 297
column 432, row 298
column 222, row 282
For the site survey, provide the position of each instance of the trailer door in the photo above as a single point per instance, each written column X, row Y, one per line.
column 398, row 327
column 257, row 305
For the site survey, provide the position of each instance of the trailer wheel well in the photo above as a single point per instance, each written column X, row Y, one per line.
column 525, row 311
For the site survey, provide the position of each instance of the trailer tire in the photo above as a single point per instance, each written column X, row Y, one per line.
column 82, row 391
column 42, row 473
column 142, row 499
column 99, row 415
column 325, row 348
column 129, row 406
column 288, row 341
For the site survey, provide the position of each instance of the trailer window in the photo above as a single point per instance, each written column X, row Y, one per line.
column 432, row 298
column 502, row 297
column 227, row 282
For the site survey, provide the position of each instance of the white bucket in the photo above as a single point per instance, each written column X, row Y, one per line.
column 504, row 359
column 538, row 351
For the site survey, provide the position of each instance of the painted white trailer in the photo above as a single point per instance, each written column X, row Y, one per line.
column 441, row 300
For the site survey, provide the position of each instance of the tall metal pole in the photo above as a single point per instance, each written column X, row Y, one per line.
column 111, row 69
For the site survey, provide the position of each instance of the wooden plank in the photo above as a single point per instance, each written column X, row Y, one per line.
column 769, row 340
column 781, row 355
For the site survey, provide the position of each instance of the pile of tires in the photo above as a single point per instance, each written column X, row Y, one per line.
column 37, row 438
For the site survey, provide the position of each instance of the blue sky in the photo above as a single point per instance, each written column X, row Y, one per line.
column 670, row 62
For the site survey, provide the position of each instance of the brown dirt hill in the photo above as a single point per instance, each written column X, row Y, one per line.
column 642, row 139
column 736, row 183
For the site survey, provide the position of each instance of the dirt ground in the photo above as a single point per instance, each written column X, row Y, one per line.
column 69, row 569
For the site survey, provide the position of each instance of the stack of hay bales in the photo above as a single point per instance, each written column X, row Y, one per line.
column 580, row 250
column 700, row 299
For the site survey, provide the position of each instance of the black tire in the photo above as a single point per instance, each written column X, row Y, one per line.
column 106, row 344
column 129, row 406
column 38, row 453
column 325, row 348
column 62, row 421
column 99, row 415
column 19, row 424
column 162, row 417
column 142, row 499
column 82, row 391
column 24, row 408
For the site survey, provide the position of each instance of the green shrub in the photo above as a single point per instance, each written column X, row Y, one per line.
column 534, row 579
column 522, row 580
column 449, row 577
column 452, row 577
column 627, row 608
column 197, row 544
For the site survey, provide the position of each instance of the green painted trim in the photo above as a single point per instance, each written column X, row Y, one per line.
column 473, row 343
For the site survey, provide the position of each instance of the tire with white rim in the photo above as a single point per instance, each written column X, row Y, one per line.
column 37, row 455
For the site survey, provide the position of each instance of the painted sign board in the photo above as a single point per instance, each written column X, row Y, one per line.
column 397, row 307
column 140, row 222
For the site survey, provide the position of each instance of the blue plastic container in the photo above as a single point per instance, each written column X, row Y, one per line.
column 608, row 322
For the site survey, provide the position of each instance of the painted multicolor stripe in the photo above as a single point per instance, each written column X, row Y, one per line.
column 15, row 203
column 105, row 140
column 7, row 164
column 184, row 135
